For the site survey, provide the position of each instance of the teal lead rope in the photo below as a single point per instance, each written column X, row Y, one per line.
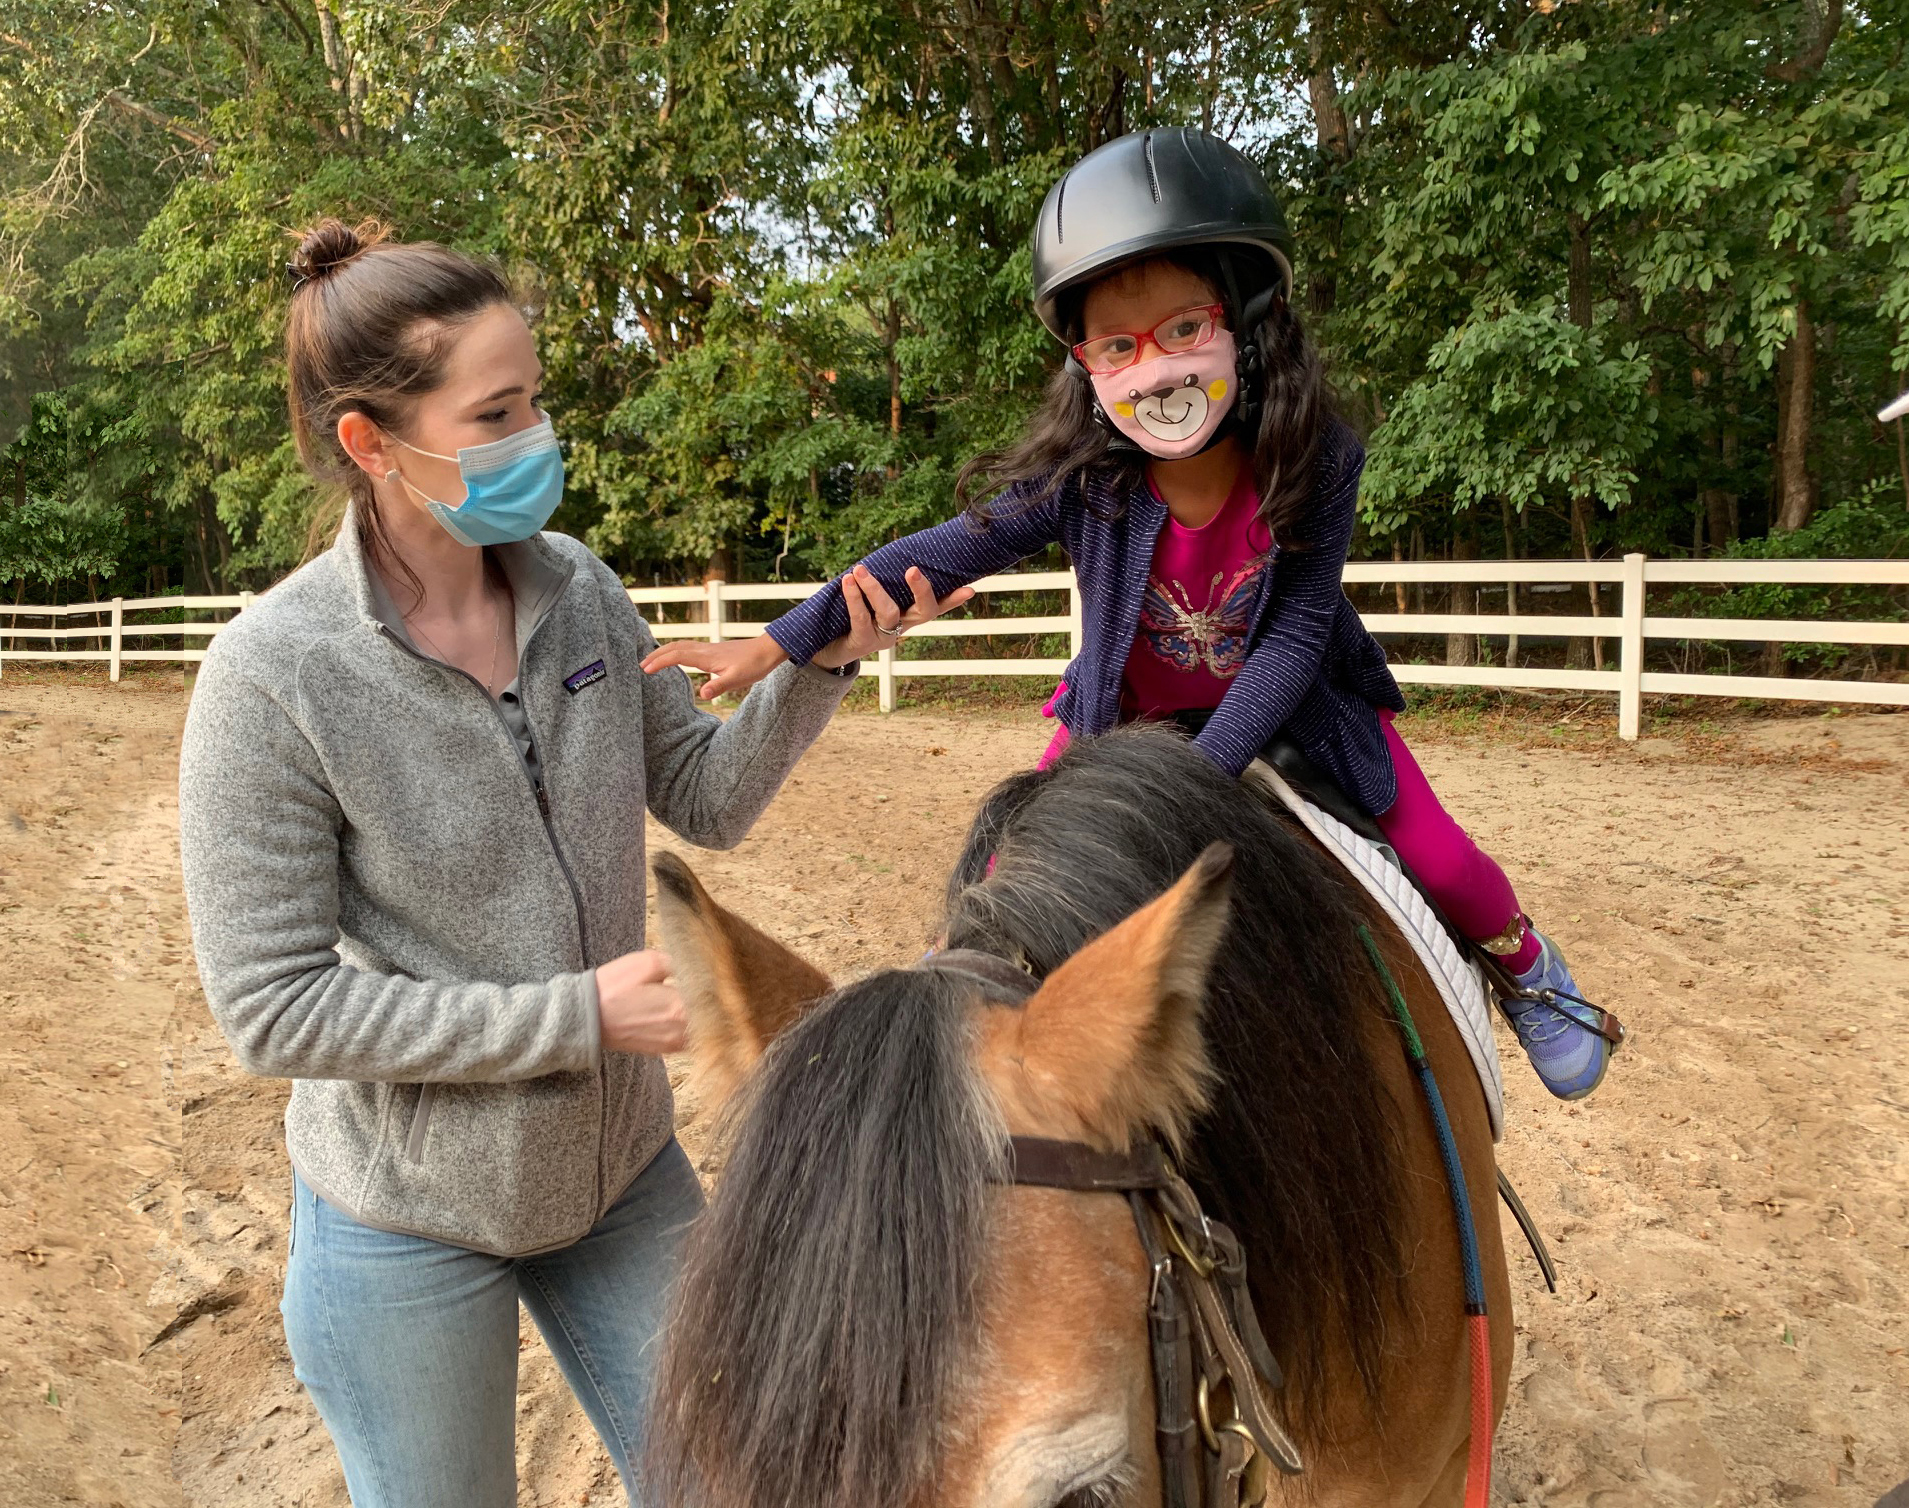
column 1477, row 1322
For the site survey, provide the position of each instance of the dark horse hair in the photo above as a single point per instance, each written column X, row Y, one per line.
column 1297, row 1151
column 828, row 1299
column 1065, row 444
column 828, row 1303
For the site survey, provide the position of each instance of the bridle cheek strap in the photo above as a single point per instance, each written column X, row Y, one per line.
column 1218, row 1436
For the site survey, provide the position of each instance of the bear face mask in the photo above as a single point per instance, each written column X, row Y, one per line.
column 1172, row 405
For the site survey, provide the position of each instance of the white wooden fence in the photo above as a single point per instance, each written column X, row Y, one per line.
column 1630, row 682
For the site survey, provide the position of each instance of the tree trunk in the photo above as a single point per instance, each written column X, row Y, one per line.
column 1418, row 554
column 1334, row 137
column 1398, row 587
column 892, row 341
column 1795, row 492
column 205, row 551
column 1719, row 517
column 1902, row 462
column 1581, row 528
column 1578, row 299
column 715, row 568
column 1578, row 272
column 1511, row 586
column 1462, row 649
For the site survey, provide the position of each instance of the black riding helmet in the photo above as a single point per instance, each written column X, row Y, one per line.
column 1151, row 192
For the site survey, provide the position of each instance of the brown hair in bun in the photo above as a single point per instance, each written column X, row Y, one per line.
column 331, row 244
column 371, row 322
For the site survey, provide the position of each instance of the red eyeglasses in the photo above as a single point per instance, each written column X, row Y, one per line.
column 1186, row 331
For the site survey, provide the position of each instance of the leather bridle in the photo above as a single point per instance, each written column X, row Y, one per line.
column 1218, row 1437
column 1212, row 1370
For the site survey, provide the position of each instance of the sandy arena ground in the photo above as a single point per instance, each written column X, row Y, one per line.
column 1729, row 1211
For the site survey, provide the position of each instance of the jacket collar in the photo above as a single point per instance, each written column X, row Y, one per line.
column 537, row 574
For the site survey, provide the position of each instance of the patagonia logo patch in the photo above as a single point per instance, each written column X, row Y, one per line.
column 588, row 676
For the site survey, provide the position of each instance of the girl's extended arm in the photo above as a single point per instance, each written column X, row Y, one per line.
column 931, row 570
column 951, row 555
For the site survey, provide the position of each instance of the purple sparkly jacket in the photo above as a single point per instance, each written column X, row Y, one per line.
column 1313, row 671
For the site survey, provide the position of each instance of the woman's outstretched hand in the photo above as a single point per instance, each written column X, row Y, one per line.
column 875, row 622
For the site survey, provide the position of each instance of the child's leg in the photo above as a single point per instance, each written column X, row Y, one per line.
column 1057, row 745
column 1472, row 890
column 1467, row 884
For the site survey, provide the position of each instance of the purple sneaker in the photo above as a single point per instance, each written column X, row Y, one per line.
column 1570, row 1056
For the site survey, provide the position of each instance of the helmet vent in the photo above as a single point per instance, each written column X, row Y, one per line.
column 1060, row 211
column 1153, row 178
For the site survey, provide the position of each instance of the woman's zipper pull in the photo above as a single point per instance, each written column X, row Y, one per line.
column 543, row 802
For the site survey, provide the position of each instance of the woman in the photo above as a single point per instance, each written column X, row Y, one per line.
column 412, row 799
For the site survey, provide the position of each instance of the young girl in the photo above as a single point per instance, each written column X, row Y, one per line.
column 1189, row 461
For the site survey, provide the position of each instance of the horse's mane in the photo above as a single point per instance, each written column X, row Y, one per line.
column 828, row 1298
column 828, row 1306
column 1298, row 1151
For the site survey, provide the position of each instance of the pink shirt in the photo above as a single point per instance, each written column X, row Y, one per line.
column 1194, row 620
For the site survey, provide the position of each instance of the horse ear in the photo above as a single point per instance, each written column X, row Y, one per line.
column 1114, row 1033
column 740, row 987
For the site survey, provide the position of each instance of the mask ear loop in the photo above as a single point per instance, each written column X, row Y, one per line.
column 405, row 482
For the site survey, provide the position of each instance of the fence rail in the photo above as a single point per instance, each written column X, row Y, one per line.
column 1631, row 626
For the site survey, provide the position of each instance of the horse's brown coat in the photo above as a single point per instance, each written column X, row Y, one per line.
column 1106, row 1050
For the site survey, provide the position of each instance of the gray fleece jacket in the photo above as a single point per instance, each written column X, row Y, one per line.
column 389, row 912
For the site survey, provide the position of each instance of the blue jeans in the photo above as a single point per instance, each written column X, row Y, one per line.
column 409, row 1346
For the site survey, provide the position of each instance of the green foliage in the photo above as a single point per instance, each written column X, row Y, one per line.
column 1558, row 254
column 1871, row 526
column 1521, row 405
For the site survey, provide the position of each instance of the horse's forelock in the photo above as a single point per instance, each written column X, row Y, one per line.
column 827, row 1304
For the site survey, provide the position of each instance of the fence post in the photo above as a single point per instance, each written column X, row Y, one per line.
column 1076, row 628
column 714, row 586
column 119, row 637
column 885, row 678
column 1630, row 662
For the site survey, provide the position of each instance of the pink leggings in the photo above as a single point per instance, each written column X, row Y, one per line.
column 1465, row 880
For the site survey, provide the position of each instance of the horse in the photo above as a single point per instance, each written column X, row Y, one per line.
column 872, row 1312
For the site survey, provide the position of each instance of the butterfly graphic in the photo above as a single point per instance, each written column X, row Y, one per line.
column 1212, row 638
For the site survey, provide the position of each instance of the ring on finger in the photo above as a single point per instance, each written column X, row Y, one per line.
column 890, row 633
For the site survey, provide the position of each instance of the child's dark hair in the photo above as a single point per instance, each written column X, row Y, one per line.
column 1064, row 441
column 371, row 323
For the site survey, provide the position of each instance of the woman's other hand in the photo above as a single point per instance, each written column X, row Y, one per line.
column 875, row 622
column 639, row 1010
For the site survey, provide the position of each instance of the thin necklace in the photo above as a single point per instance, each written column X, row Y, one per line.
column 497, row 639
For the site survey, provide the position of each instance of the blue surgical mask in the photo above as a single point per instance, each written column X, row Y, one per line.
column 511, row 487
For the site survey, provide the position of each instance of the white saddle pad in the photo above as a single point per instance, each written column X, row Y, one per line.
column 1460, row 984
